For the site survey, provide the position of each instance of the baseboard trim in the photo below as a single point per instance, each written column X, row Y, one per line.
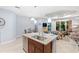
column 6, row 42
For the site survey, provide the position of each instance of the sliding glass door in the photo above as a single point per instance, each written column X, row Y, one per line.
column 58, row 26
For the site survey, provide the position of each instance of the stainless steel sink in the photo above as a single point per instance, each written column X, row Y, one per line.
column 39, row 37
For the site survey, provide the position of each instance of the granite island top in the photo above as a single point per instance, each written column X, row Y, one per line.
column 46, row 38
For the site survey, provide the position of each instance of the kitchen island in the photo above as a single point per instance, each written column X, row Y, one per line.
column 35, row 43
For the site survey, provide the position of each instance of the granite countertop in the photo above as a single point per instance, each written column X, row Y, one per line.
column 47, row 37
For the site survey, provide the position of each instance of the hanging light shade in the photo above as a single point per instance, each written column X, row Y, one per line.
column 49, row 20
column 34, row 20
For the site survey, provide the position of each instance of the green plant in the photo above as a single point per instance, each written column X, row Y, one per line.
column 62, row 26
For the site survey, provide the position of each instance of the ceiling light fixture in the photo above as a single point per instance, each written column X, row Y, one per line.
column 35, row 6
column 34, row 20
column 49, row 20
column 18, row 7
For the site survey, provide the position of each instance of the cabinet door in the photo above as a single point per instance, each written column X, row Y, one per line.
column 31, row 48
column 38, row 50
column 34, row 47
column 48, row 48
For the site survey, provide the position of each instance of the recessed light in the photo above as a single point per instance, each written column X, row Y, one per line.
column 35, row 6
column 18, row 7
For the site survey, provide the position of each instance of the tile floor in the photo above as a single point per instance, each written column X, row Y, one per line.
column 62, row 46
column 13, row 47
column 66, row 45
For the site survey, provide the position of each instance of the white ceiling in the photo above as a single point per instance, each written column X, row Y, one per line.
column 40, row 11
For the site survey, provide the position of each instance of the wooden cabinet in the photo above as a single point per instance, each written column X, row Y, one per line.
column 36, row 47
column 48, row 48
column 31, row 48
column 38, row 50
